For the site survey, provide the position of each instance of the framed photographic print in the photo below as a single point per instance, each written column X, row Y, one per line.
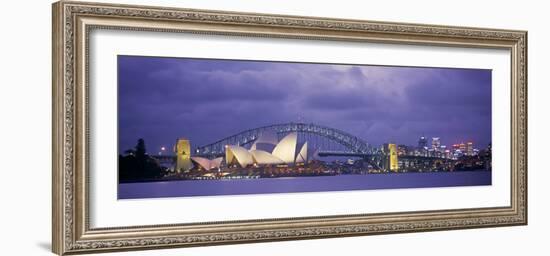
column 178, row 127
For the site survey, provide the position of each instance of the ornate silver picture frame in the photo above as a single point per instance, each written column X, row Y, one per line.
column 72, row 209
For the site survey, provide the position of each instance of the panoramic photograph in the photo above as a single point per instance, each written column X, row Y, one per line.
column 214, row 127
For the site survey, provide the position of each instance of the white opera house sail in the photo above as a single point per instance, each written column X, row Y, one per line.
column 207, row 164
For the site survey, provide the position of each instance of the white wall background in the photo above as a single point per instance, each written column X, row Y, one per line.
column 25, row 117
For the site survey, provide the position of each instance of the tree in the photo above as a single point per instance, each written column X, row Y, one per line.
column 141, row 158
column 140, row 149
column 136, row 165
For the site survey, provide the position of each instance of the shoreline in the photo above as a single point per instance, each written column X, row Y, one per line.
column 299, row 176
column 349, row 182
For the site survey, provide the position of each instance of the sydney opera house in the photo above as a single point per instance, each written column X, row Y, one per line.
column 267, row 151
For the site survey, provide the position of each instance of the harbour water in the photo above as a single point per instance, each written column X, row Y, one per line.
column 184, row 188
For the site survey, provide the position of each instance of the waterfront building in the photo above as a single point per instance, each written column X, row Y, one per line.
column 286, row 151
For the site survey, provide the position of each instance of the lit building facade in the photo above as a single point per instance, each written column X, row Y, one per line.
column 422, row 149
column 448, row 154
column 402, row 150
column 462, row 147
column 422, row 142
column 470, row 148
column 392, row 161
column 456, row 147
column 183, row 155
column 436, row 143
column 442, row 151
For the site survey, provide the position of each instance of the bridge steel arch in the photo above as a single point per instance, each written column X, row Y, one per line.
column 352, row 143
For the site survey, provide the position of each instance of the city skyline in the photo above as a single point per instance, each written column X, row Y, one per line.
column 161, row 99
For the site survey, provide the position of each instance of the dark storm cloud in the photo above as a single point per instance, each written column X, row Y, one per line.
column 161, row 99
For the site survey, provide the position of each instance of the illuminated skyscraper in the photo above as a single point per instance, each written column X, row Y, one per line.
column 462, row 147
column 183, row 155
column 422, row 146
column 470, row 148
column 448, row 154
column 422, row 142
column 443, row 151
column 436, row 143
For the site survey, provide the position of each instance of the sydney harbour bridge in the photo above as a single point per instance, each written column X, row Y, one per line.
column 327, row 142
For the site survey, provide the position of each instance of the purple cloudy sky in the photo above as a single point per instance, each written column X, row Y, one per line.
column 162, row 99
